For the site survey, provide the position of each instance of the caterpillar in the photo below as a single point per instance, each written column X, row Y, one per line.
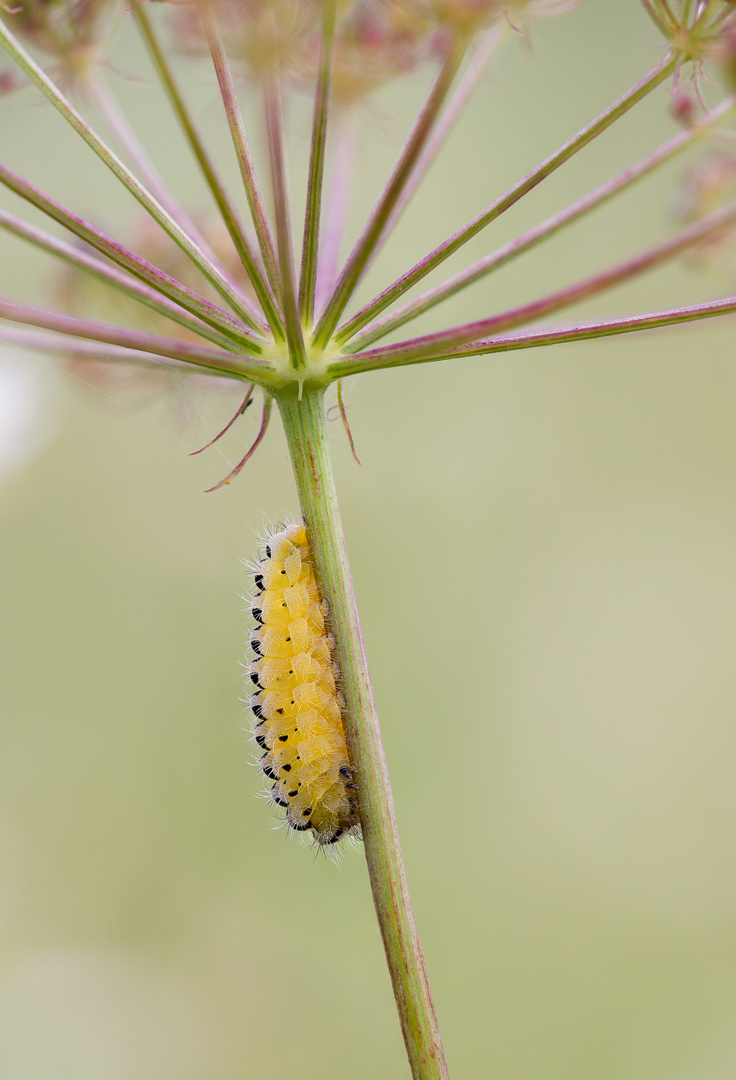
column 297, row 705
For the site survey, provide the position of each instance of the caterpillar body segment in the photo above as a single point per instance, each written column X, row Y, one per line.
column 297, row 703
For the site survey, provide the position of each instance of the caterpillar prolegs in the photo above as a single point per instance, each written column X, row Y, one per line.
column 297, row 704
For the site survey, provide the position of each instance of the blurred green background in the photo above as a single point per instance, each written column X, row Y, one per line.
column 544, row 550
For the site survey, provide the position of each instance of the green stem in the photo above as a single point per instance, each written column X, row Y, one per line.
column 304, row 423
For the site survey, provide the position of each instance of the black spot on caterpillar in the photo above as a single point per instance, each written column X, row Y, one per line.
column 298, row 706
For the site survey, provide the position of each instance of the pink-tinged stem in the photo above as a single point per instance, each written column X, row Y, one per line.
column 118, row 125
column 446, row 124
column 450, row 340
column 282, row 214
column 214, row 359
column 265, row 416
column 310, row 243
column 377, row 359
column 229, row 216
column 240, row 143
column 543, row 231
column 103, row 271
column 39, row 77
column 66, row 346
column 337, row 208
column 500, row 206
column 134, row 264
column 374, row 229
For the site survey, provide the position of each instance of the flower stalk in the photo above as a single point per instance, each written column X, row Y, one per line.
column 305, row 428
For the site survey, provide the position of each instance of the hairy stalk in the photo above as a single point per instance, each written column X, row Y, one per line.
column 336, row 204
column 121, row 171
column 224, row 204
column 657, row 75
column 376, row 359
column 304, row 423
column 273, row 111
column 240, row 143
column 308, row 277
column 70, row 346
column 102, row 271
column 117, row 123
column 546, row 229
column 431, row 344
column 461, row 95
column 214, row 359
column 128, row 260
column 376, row 225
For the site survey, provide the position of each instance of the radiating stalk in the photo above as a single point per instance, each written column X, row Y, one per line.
column 374, row 229
column 282, row 214
column 69, row 346
column 249, row 368
column 550, row 227
column 461, row 95
column 304, row 423
column 448, row 340
column 229, row 216
column 308, row 278
column 102, row 271
column 657, row 75
column 131, row 262
column 117, row 122
column 339, row 185
column 126, row 177
column 377, row 359
column 240, row 143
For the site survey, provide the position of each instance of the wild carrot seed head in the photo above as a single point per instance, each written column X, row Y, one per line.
column 73, row 32
column 375, row 43
column 264, row 35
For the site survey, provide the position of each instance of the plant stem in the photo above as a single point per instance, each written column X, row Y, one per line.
column 249, row 368
column 128, row 260
column 376, row 359
column 435, row 258
column 547, row 228
column 310, row 243
column 102, row 271
column 304, row 423
column 125, row 176
column 376, row 225
column 240, row 142
column 273, row 111
column 222, row 199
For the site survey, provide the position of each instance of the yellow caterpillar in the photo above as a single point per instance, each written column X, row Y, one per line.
column 297, row 704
